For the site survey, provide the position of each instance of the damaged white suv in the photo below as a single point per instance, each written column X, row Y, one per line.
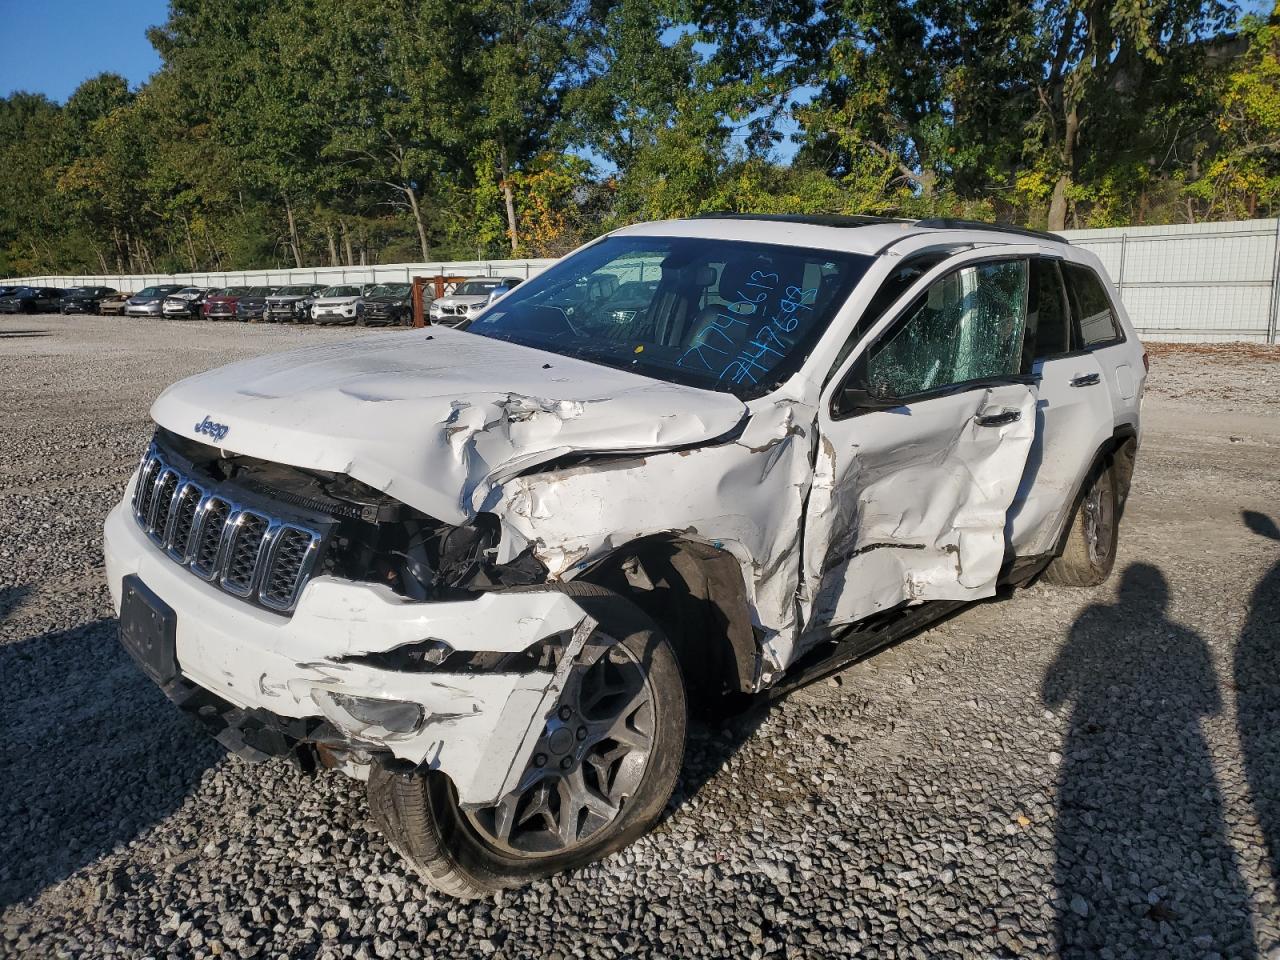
column 490, row 569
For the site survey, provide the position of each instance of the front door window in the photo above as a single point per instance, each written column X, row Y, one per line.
column 967, row 326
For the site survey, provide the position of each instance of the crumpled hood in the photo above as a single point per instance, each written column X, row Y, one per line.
column 436, row 419
column 455, row 301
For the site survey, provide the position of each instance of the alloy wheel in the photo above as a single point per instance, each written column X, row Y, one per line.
column 587, row 763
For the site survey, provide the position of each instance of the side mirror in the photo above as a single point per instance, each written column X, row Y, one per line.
column 855, row 396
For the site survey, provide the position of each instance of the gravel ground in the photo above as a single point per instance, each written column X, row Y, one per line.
column 1058, row 773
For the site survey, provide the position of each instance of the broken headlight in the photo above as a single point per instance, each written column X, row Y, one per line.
column 368, row 716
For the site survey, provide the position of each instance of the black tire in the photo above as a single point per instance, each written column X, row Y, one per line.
column 1089, row 549
column 419, row 814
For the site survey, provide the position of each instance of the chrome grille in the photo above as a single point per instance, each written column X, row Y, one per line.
column 243, row 550
column 162, row 504
column 248, row 536
column 290, row 556
column 182, row 520
column 215, row 514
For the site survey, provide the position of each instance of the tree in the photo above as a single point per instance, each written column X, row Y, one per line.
column 1242, row 175
column 1108, row 69
column 32, row 151
column 519, row 66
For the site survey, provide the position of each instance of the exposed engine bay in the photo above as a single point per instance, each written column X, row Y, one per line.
column 369, row 536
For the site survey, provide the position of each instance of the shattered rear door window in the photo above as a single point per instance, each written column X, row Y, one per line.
column 968, row 326
column 725, row 315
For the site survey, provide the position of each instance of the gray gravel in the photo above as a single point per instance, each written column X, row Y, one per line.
column 1059, row 773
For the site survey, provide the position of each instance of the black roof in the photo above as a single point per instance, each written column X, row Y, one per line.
column 859, row 220
column 816, row 219
column 945, row 223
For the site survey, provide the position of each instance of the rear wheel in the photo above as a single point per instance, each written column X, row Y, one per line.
column 1090, row 549
column 598, row 777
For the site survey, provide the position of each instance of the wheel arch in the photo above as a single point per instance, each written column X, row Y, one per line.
column 1120, row 449
column 696, row 592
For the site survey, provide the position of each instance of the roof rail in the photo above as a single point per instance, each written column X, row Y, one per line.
column 947, row 223
column 816, row 219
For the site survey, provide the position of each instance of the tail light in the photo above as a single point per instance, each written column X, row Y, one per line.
column 1146, row 362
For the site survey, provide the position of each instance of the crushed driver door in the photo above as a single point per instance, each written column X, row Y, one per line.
column 924, row 436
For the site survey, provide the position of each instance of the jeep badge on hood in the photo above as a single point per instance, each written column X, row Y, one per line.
column 215, row 430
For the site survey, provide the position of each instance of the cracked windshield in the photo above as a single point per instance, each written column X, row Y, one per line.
column 725, row 315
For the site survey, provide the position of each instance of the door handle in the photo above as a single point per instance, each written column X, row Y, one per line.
column 998, row 419
column 1086, row 380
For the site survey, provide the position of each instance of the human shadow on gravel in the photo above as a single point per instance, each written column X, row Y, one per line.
column 1143, row 862
column 1257, row 681
column 92, row 755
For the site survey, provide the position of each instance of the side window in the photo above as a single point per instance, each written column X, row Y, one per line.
column 1094, row 319
column 1048, row 331
column 894, row 285
column 967, row 326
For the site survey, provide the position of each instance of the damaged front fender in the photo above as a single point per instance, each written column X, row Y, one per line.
column 743, row 495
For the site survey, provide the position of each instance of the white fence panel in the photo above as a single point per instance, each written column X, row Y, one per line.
column 1201, row 283
column 1188, row 282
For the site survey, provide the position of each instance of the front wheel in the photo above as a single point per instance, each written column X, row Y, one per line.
column 598, row 777
column 1089, row 552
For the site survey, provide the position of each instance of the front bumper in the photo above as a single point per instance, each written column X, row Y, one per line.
column 143, row 310
column 79, row 306
column 478, row 728
column 323, row 319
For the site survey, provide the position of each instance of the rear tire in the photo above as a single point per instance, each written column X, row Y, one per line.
column 1089, row 551
column 466, row 853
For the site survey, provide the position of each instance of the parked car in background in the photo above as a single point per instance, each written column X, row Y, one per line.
column 340, row 304
column 149, row 302
column 811, row 437
column 185, row 303
column 31, row 300
column 250, row 306
column 291, row 303
column 221, row 304
column 500, row 291
column 114, row 304
column 468, row 299
column 84, row 299
column 388, row 303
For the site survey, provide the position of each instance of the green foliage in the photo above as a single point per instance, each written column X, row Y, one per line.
column 321, row 131
column 1242, row 179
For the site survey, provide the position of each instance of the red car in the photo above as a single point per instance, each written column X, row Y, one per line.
column 221, row 304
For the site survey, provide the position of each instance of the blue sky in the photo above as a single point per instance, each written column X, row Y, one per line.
column 51, row 46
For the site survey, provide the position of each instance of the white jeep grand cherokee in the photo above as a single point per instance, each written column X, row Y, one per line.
column 488, row 569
